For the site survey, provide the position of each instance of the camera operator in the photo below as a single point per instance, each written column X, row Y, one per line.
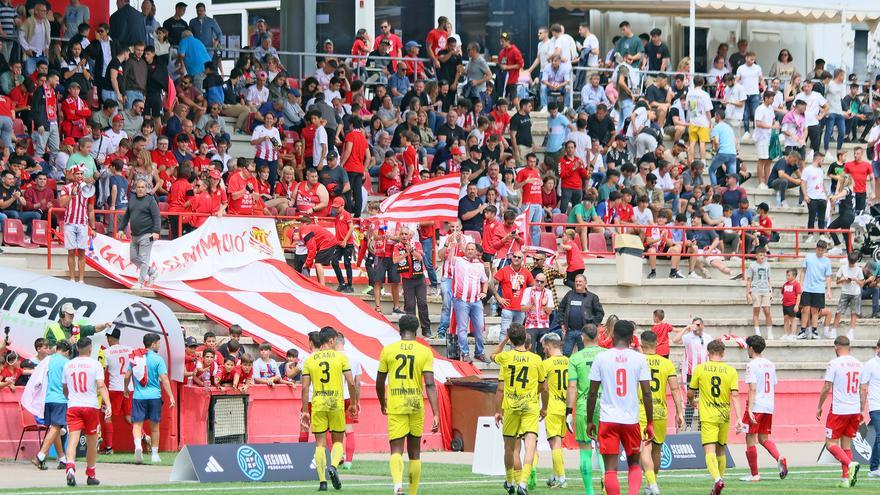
column 66, row 330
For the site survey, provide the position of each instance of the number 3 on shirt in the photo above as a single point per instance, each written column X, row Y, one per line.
column 620, row 375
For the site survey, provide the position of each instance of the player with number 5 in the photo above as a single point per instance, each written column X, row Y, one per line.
column 842, row 379
column 718, row 386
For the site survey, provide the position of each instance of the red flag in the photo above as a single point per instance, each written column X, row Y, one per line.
column 171, row 98
column 431, row 200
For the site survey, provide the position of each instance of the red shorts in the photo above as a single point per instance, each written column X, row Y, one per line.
column 348, row 419
column 84, row 419
column 762, row 425
column 613, row 435
column 842, row 425
column 119, row 404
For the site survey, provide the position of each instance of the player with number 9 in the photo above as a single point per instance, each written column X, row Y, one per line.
column 520, row 380
column 718, row 386
column 325, row 370
column 405, row 364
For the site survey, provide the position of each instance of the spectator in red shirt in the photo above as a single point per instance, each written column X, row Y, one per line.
column 162, row 158
column 344, row 227
column 512, row 280
column 662, row 329
column 389, row 175
column 529, row 180
column 861, row 172
column 361, row 47
column 511, row 60
column 436, row 39
column 202, row 203
column 39, row 197
column 573, row 172
column 10, row 371
column 243, row 374
column 396, row 49
column 242, row 190
column 415, row 69
column 355, row 159
column 320, row 243
column 490, row 222
column 409, row 258
column 75, row 111
column 549, row 199
column 574, row 257
column 508, row 238
column 179, row 197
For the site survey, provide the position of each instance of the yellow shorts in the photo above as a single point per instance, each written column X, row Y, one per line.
column 328, row 420
column 659, row 429
column 406, row 425
column 517, row 423
column 714, row 433
column 555, row 425
column 698, row 134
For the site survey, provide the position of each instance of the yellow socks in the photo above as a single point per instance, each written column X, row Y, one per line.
column 526, row 472
column 415, row 474
column 336, row 453
column 651, row 477
column 509, row 476
column 516, row 475
column 396, row 465
column 722, row 464
column 321, row 463
column 558, row 464
column 712, row 466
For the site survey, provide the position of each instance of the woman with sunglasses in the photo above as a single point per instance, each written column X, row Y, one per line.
column 784, row 67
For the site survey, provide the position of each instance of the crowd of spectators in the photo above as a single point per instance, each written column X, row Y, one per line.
column 632, row 138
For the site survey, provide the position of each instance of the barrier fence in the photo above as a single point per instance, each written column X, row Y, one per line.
column 743, row 235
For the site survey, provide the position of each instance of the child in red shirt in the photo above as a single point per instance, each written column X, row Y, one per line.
column 225, row 374
column 11, row 371
column 662, row 329
column 574, row 257
column 389, row 175
column 243, row 374
column 490, row 222
column 791, row 302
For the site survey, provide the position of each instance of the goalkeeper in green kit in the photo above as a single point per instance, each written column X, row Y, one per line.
column 578, row 386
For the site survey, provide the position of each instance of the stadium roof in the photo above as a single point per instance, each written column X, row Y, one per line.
column 867, row 11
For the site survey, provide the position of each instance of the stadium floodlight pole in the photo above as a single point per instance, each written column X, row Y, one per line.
column 692, row 38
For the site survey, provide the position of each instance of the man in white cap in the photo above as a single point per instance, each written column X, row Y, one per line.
column 66, row 329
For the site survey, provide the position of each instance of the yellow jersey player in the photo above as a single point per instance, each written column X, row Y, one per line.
column 520, row 380
column 405, row 364
column 556, row 378
column 325, row 370
column 718, row 385
column 663, row 377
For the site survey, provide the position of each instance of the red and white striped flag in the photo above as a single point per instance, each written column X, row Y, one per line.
column 433, row 199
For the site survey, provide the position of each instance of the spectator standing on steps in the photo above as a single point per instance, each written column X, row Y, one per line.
column 816, row 281
column 695, row 341
column 409, row 259
column 146, row 223
column 813, row 188
column 577, row 309
column 537, row 304
column 512, row 280
column 758, row 290
column 470, row 284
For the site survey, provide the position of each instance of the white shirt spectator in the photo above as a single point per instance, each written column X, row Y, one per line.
column 815, row 178
column 871, row 378
column 698, row 103
column 582, row 143
column 834, row 93
column 815, row 102
column 765, row 114
column 734, row 94
column 695, row 352
column 256, row 96
column 565, row 46
column 320, row 139
column 265, row 369
column 591, row 42
column 750, row 78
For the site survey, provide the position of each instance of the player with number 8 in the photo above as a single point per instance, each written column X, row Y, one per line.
column 718, row 386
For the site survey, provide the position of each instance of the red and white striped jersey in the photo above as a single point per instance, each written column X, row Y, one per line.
column 266, row 149
column 467, row 279
column 81, row 375
column 116, row 357
column 694, row 351
column 77, row 212
column 844, row 374
column 762, row 372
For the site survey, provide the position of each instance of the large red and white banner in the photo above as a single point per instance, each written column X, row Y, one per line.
column 433, row 199
column 245, row 280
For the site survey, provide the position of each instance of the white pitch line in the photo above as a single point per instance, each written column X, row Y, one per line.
column 256, row 487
